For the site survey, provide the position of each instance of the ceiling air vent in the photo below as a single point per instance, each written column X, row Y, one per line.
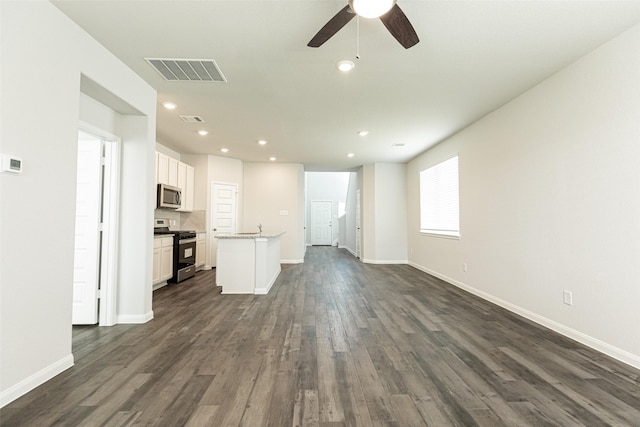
column 187, row 70
column 192, row 119
column 398, row 144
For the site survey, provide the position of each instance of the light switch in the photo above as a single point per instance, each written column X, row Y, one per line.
column 284, row 213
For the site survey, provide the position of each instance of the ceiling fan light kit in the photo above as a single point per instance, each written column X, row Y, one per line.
column 346, row 66
column 393, row 19
column 371, row 8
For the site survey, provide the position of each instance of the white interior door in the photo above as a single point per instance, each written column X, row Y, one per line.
column 321, row 227
column 87, row 231
column 224, row 219
column 358, row 224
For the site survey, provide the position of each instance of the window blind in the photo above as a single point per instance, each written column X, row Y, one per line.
column 439, row 203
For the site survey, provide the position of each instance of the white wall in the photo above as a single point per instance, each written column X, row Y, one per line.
column 99, row 116
column 326, row 186
column 390, row 213
column 270, row 189
column 168, row 151
column 39, row 122
column 383, row 213
column 550, row 200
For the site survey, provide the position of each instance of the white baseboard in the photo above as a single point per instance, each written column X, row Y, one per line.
column 23, row 387
column 135, row 318
column 291, row 261
column 160, row 285
column 385, row 261
column 265, row 290
column 351, row 251
column 594, row 343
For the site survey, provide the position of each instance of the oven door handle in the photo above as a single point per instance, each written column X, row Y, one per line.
column 180, row 242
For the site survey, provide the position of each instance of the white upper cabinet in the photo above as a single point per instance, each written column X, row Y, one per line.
column 173, row 172
column 166, row 170
column 182, row 184
column 162, row 168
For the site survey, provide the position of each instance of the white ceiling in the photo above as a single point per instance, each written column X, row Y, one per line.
column 473, row 57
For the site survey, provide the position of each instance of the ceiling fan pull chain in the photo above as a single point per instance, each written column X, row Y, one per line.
column 357, row 36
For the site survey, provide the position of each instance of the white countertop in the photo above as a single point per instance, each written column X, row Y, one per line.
column 263, row 235
column 159, row 236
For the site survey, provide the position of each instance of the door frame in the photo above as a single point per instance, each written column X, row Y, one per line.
column 210, row 233
column 358, row 230
column 111, row 145
column 312, row 222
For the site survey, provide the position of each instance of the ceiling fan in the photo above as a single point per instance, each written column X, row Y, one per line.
column 387, row 10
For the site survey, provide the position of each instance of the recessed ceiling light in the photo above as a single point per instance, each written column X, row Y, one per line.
column 203, row 132
column 169, row 105
column 262, row 142
column 224, row 150
column 346, row 66
column 273, row 159
column 363, row 133
column 350, row 155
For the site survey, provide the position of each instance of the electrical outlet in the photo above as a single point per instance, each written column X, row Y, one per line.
column 567, row 297
column 464, row 267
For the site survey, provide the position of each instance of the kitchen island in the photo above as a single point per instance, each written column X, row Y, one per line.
column 248, row 263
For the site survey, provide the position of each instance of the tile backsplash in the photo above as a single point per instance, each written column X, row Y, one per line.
column 196, row 220
column 171, row 215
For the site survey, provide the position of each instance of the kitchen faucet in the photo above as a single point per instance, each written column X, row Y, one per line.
column 260, row 228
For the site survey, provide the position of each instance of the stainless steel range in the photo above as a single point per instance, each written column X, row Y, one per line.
column 184, row 250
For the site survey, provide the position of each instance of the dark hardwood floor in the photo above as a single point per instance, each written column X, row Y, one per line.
column 335, row 343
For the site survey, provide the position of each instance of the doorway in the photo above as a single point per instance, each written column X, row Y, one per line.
column 224, row 216
column 94, row 299
column 358, row 244
column 321, row 222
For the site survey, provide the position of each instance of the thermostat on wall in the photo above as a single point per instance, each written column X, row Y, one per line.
column 11, row 164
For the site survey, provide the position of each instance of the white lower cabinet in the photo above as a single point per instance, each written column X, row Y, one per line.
column 162, row 259
column 157, row 260
column 201, row 248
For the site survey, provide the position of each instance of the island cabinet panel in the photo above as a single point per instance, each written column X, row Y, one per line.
column 267, row 264
column 235, row 271
column 248, row 263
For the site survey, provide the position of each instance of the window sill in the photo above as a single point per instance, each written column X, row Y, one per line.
column 441, row 235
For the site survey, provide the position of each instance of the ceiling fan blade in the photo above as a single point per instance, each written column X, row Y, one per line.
column 399, row 26
column 333, row 26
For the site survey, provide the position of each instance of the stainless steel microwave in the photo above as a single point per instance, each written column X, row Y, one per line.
column 169, row 197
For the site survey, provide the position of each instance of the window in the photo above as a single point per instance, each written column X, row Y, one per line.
column 439, row 206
